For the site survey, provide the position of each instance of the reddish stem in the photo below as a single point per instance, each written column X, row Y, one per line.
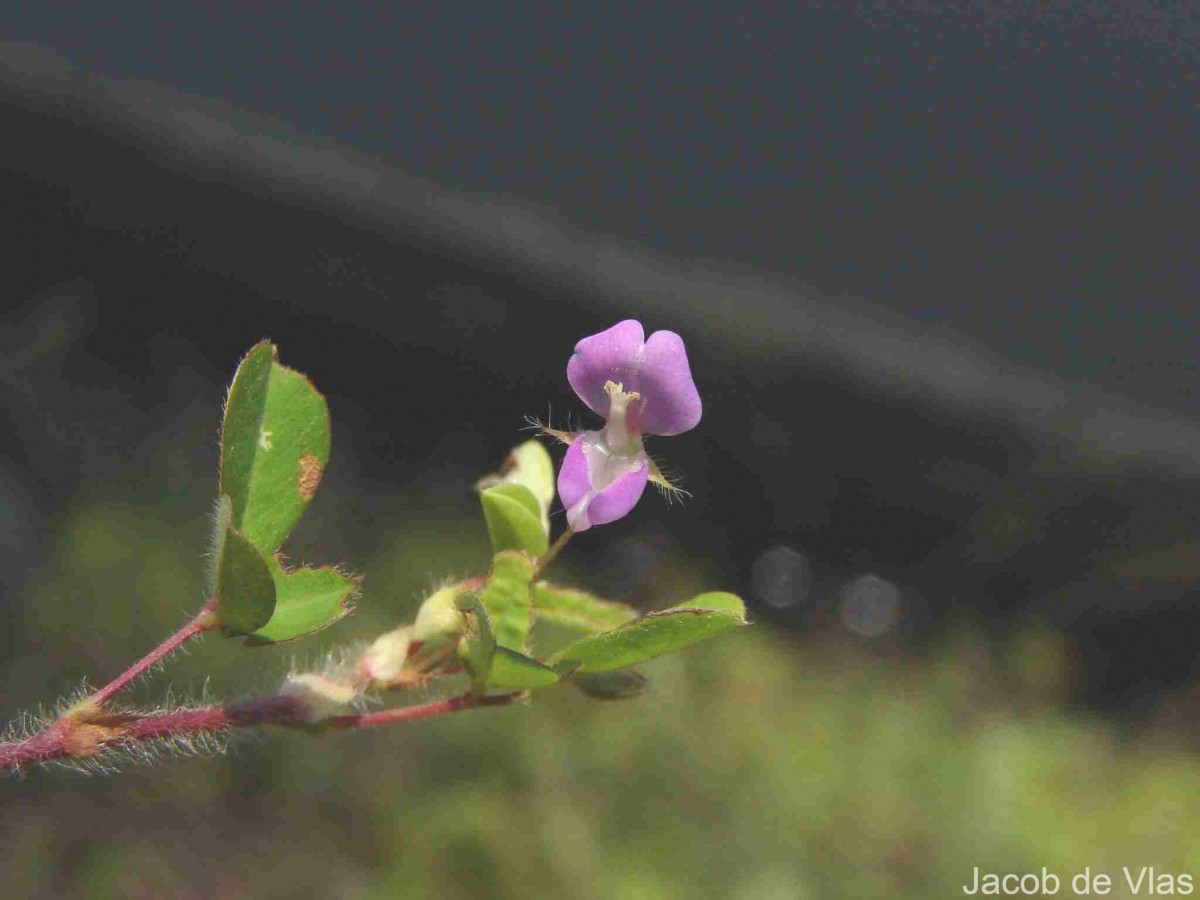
column 270, row 711
column 68, row 738
column 424, row 711
column 42, row 747
column 196, row 626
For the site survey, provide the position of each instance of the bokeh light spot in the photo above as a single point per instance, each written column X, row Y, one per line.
column 870, row 605
column 781, row 577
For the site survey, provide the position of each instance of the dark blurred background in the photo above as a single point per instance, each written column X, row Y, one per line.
column 935, row 268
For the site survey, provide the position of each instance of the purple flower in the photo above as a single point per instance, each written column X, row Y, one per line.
column 656, row 369
column 640, row 387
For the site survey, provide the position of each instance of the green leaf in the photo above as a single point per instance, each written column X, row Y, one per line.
column 618, row 685
column 306, row 601
column 244, row 589
column 477, row 648
column 513, row 671
column 507, row 597
column 528, row 465
column 514, row 519
column 645, row 638
column 274, row 447
column 716, row 600
column 578, row 610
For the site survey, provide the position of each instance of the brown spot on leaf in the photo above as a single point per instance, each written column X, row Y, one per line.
column 310, row 475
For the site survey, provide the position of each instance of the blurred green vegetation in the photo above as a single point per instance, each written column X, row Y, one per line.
column 759, row 766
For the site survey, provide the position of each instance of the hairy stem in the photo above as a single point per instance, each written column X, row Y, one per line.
column 81, row 739
column 201, row 623
column 549, row 555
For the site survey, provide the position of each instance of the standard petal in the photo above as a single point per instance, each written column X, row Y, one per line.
column 612, row 355
column 670, row 401
column 620, row 497
column 574, row 480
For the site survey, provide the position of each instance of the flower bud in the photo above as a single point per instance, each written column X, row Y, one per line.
column 318, row 696
column 438, row 618
column 385, row 658
column 437, row 629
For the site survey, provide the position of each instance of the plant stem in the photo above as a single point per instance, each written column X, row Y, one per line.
column 549, row 555
column 42, row 747
column 201, row 623
column 67, row 738
column 425, row 711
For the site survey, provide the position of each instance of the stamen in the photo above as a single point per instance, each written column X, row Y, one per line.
column 622, row 437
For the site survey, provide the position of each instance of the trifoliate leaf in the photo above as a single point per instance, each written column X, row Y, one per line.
column 477, row 648
column 513, row 671
column 514, row 519
column 507, row 597
column 306, row 601
column 645, row 638
column 274, row 447
column 244, row 590
column 578, row 610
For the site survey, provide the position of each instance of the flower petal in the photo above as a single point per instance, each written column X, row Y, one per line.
column 574, row 481
column 611, row 355
column 670, row 401
column 597, row 486
column 656, row 369
column 620, row 497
